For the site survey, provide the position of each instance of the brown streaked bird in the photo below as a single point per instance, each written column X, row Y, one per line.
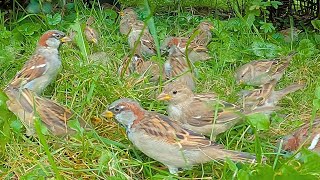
column 204, row 35
column 166, row 141
column 195, row 52
column 43, row 66
column 266, row 96
column 128, row 18
column 202, row 113
column 176, row 67
column 137, row 64
column 140, row 34
column 308, row 135
column 259, row 72
column 27, row 106
column 90, row 33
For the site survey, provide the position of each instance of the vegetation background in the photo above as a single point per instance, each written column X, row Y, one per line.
column 89, row 82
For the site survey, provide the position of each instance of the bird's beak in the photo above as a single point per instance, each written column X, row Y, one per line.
column 121, row 13
column 107, row 114
column 94, row 40
column 65, row 39
column 164, row 97
column 211, row 27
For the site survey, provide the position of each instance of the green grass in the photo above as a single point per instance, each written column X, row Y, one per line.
column 88, row 86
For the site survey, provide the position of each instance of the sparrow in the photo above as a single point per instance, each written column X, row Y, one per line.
column 204, row 35
column 308, row 135
column 27, row 105
column 164, row 140
column 176, row 66
column 290, row 34
column 89, row 32
column 43, row 66
column 266, row 96
column 140, row 34
column 259, row 72
column 195, row 52
column 128, row 17
column 137, row 64
column 202, row 113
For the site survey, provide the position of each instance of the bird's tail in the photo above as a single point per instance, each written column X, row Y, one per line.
column 216, row 152
column 290, row 89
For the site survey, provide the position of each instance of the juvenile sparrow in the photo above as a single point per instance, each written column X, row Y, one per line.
column 43, row 66
column 177, row 67
column 202, row 113
column 266, row 96
column 204, row 36
column 27, row 105
column 89, row 32
column 260, row 72
column 137, row 64
column 166, row 141
column 308, row 135
column 128, row 17
column 195, row 52
column 140, row 34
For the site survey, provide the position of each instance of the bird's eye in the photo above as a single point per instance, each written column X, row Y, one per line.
column 175, row 92
column 116, row 109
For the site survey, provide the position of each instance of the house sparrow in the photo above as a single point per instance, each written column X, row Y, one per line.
column 128, row 17
column 197, row 111
column 89, row 32
column 27, row 105
column 177, row 67
column 137, row 64
column 204, row 36
column 195, row 52
column 43, row 66
column 165, row 140
column 145, row 41
column 290, row 34
column 260, row 72
column 266, row 96
column 307, row 135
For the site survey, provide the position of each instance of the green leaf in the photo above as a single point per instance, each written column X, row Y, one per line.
column 316, row 24
column 267, row 27
column 54, row 20
column 28, row 28
column 243, row 175
column 275, row 4
column 259, row 121
column 46, row 7
column 250, row 19
column 233, row 167
column 16, row 126
column 317, row 92
column 264, row 50
column 33, row 7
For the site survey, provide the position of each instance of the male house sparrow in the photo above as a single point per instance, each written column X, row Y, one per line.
column 307, row 135
column 195, row 52
column 128, row 17
column 140, row 34
column 166, row 141
column 177, row 67
column 137, row 64
column 89, row 32
column 260, row 72
column 266, row 96
column 43, row 66
column 197, row 111
column 27, row 105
